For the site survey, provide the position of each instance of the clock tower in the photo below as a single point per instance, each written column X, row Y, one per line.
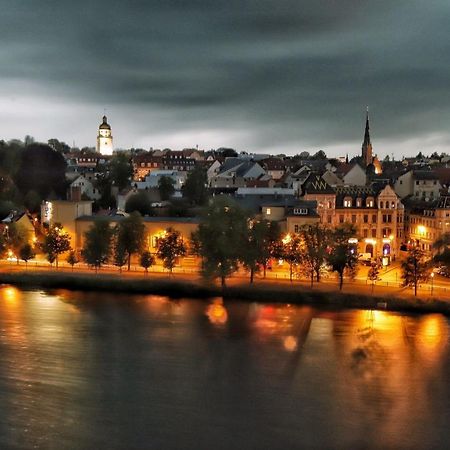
column 104, row 138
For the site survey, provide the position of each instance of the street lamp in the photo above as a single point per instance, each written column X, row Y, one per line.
column 432, row 278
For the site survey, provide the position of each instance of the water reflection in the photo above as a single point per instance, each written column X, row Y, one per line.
column 89, row 370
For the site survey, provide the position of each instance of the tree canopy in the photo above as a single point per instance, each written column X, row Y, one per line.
column 219, row 238
column 170, row 248
column 97, row 244
column 130, row 235
column 56, row 242
column 195, row 187
column 41, row 169
column 165, row 187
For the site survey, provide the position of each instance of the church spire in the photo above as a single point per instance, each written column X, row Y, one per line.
column 367, row 131
column 367, row 145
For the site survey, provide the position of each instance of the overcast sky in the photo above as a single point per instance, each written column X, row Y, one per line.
column 257, row 75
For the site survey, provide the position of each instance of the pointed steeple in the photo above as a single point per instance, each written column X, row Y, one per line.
column 366, row 153
column 367, row 131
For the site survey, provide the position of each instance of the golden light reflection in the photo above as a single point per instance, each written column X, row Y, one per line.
column 216, row 312
column 432, row 336
column 10, row 294
column 290, row 343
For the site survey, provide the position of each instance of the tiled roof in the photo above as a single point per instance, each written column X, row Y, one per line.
column 315, row 184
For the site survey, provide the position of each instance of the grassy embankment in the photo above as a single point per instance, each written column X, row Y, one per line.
column 261, row 292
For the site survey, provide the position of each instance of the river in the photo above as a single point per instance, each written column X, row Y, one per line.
column 104, row 371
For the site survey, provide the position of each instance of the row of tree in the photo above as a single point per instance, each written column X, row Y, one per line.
column 227, row 238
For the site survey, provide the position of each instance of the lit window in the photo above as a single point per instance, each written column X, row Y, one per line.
column 268, row 211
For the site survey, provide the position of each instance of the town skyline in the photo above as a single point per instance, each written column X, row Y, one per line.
column 349, row 154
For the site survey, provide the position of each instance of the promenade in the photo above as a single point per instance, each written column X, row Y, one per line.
column 389, row 285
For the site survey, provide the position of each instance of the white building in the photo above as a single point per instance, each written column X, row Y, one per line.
column 86, row 187
column 104, row 138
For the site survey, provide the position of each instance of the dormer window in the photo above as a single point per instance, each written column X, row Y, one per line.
column 358, row 202
column 369, row 202
column 300, row 211
column 347, row 202
column 381, row 205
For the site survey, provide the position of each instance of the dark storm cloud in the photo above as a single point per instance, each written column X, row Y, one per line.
column 287, row 73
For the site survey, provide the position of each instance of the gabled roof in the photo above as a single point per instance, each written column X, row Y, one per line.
column 273, row 164
column 237, row 165
column 315, row 184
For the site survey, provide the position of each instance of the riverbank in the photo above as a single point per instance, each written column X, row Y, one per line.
column 261, row 291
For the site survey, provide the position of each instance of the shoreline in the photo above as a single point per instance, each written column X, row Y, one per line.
column 259, row 292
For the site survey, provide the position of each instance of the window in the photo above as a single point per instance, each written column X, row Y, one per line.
column 296, row 228
column 347, row 202
column 341, row 218
column 353, row 218
column 365, row 232
column 417, row 183
column 374, row 218
column 374, row 232
column 358, row 202
column 369, row 202
column 329, row 219
column 300, row 211
column 366, row 218
column 381, row 204
column 268, row 211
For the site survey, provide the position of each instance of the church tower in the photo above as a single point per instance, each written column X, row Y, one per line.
column 367, row 157
column 104, row 138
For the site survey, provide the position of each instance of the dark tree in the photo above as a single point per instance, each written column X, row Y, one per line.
column 258, row 245
column 120, row 256
column 289, row 249
column 26, row 253
column 32, row 201
column 228, row 152
column 139, row 202
column 42, row 170
column 104, row 185
column 315, row 239
column 58, row 146
column 415, row 269
column 72, row 259
column 120, row 170
column 343, row 257
column 147, row 260
column 195, row 187
column 374, row 274
column 97, row 244
column 16, row 236
column 219, row 238
column 56, row 242
column 130, row 235
column 165, row 187
column 170, row 248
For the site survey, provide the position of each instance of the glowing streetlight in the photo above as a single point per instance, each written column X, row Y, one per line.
column 432, row 282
